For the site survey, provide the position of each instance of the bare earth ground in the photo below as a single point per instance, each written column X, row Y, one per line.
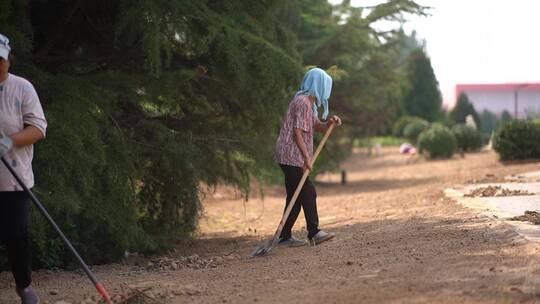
column 399, row 240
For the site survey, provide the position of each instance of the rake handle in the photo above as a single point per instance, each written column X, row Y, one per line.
column 99, row 287
column 300, row 185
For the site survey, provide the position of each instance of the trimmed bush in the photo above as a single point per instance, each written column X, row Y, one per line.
column 414, row 128
column 400, row 124
column 517, row 139
column 399, row 127
column 467, row 138
column 438, row 141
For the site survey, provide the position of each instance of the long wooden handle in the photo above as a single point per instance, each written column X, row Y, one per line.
column 300, row 185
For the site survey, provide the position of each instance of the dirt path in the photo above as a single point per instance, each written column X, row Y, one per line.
column 398, row 241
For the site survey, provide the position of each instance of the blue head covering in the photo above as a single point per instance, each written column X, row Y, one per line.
column 319, row 84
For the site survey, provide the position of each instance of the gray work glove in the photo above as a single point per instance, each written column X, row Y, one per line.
column 6, row 143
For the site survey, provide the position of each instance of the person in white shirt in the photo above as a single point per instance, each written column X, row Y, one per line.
column 22, row 123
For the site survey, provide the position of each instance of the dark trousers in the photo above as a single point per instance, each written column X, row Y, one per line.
column 307, row 200
column 14, row 218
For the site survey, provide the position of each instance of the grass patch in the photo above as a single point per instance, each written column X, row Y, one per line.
column 385, row 141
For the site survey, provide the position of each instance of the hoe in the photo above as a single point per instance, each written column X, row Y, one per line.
column 265, row 248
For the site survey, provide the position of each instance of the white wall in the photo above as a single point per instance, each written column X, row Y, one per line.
column 529, row 100
column 498, row 101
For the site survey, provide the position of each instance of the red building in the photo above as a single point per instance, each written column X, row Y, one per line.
column 519, row 99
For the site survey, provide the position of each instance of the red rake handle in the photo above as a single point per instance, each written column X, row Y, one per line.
column 104, row 295
column 68, row 244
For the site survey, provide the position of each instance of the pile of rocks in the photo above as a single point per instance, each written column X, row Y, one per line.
column 189, row 262
column 529, row 216
column 192, row 261
column 490, row 191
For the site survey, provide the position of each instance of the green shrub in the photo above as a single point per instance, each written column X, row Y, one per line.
column 399, row 127
column 438, row 141
column 414, row 128
column 517, row 139
column 467, row 138
column 400, row 124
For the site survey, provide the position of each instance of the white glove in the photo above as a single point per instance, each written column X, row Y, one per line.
column 6, row 143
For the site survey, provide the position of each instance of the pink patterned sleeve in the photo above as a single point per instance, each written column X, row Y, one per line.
column 303, row 117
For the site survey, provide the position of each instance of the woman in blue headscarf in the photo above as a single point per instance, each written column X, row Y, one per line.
column 294, row 151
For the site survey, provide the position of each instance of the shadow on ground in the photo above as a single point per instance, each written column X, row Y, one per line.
column 420, row 260
column 369, row 185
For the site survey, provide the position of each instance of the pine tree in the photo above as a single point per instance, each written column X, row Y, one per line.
column 423, row 98
column 147, row 99
column 369, row 95
column 504, row 118
column 462, row 109
column 488, row 122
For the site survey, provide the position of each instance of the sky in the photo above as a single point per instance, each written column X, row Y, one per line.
column 477, row 41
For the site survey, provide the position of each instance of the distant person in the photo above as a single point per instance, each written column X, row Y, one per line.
column 22, row 123
column 407, row 148
column 294, row 151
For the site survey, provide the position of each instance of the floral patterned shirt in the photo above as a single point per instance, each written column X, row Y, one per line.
column 299, row 115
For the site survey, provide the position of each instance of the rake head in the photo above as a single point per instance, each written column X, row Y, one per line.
column 262, row 250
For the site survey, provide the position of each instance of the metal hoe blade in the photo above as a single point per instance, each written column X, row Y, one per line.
column 262, row 250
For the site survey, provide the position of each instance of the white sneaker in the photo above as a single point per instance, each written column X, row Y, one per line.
column 320, row 237
column 292, row 242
